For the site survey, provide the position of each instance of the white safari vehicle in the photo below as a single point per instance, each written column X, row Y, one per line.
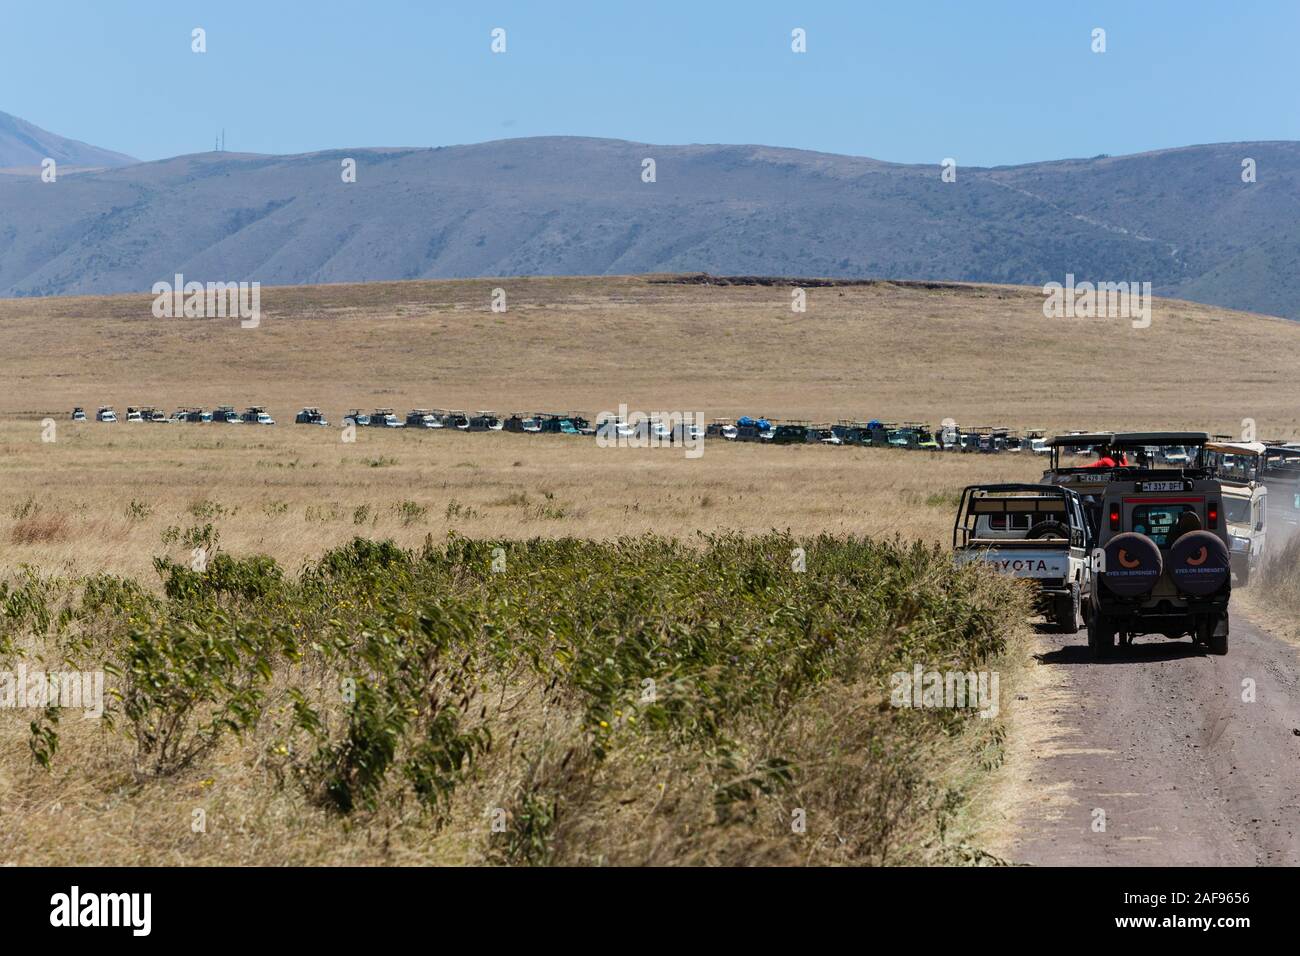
column 1238, row 467
column 1030, row 531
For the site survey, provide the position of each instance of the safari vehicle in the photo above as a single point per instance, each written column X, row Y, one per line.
column 754, row 429
column 133, row 414
column 675, row 432
column 879, row 432
column 616, row 429
column 1114, row 452
column 823, row 435
column 195, row 415
column 106, row 414
column 914, row 435
column 520, row 423
column 78, row 414
column 256, row 415
column 1280, row 474
column 1030, row 531
column 721, row 428
column 357, row 417
column 855, row 433
column 310, row 416
column 384, row 418
column 1237, row 465
column 422, row 418
column 486, row 421
column 1064, row 469
column 1005, row 439
column 558, row 425
column 581, row 423
column 791, row 433
column 1162, row 561
column 226, row 414
column 983, row 439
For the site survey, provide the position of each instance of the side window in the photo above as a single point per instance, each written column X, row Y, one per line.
column 1079, row 534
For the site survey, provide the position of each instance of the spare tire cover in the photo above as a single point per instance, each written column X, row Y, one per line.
column 1199, row 562
column 1133, row 564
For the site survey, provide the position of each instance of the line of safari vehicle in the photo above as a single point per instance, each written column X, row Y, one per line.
column 1146, row 539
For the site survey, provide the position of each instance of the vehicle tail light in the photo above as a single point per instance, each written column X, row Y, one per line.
column 1114, row 518
column 1212, row 515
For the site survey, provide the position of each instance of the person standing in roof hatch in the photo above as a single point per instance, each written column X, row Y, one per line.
column 1104, row 458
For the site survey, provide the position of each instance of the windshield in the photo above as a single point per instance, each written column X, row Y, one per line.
column 1237, row 510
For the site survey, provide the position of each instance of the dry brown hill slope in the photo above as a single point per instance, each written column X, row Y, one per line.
column 977, row 354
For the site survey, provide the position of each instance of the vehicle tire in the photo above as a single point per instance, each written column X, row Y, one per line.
column 1199, row 563
column 1066, row 612
column 1101, row 635
column 1046, row 529
column 1133, row 564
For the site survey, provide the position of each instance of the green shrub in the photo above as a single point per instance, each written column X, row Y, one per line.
column 756, row 666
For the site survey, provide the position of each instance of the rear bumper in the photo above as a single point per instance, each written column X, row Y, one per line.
column 1161, row 614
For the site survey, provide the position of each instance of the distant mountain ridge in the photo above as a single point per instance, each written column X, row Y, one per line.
column 24, row 144
column 1182, row 219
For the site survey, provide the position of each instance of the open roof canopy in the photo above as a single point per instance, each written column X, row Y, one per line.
column 1139, row 439
column 1253, row 448
column 1095, row 438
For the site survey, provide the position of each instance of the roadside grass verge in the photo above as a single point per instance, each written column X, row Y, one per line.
column 1280, row 577
column 547, row 701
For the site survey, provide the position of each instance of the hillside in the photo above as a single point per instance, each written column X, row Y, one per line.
column 1181, row 219
column 24, row 145
column 977, row 354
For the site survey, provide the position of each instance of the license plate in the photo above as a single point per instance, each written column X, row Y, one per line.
column 1160, row 486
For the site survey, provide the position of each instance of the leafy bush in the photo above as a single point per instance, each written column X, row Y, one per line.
column 756, row 669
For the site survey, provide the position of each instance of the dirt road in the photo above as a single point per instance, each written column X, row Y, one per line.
column 1162, row 742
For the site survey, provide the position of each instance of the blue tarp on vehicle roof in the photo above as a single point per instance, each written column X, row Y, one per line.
column 762, row 423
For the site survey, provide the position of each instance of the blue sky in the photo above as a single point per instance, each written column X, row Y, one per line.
column 986, row 82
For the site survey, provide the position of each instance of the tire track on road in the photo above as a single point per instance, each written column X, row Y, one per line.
column 1163, row 756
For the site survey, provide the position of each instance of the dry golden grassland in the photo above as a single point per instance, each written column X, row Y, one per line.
column 111, row 499
column 980, row 355
column 103, row 498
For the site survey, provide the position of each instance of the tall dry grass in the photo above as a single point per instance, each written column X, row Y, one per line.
column 500, row 715
column 125, row 494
